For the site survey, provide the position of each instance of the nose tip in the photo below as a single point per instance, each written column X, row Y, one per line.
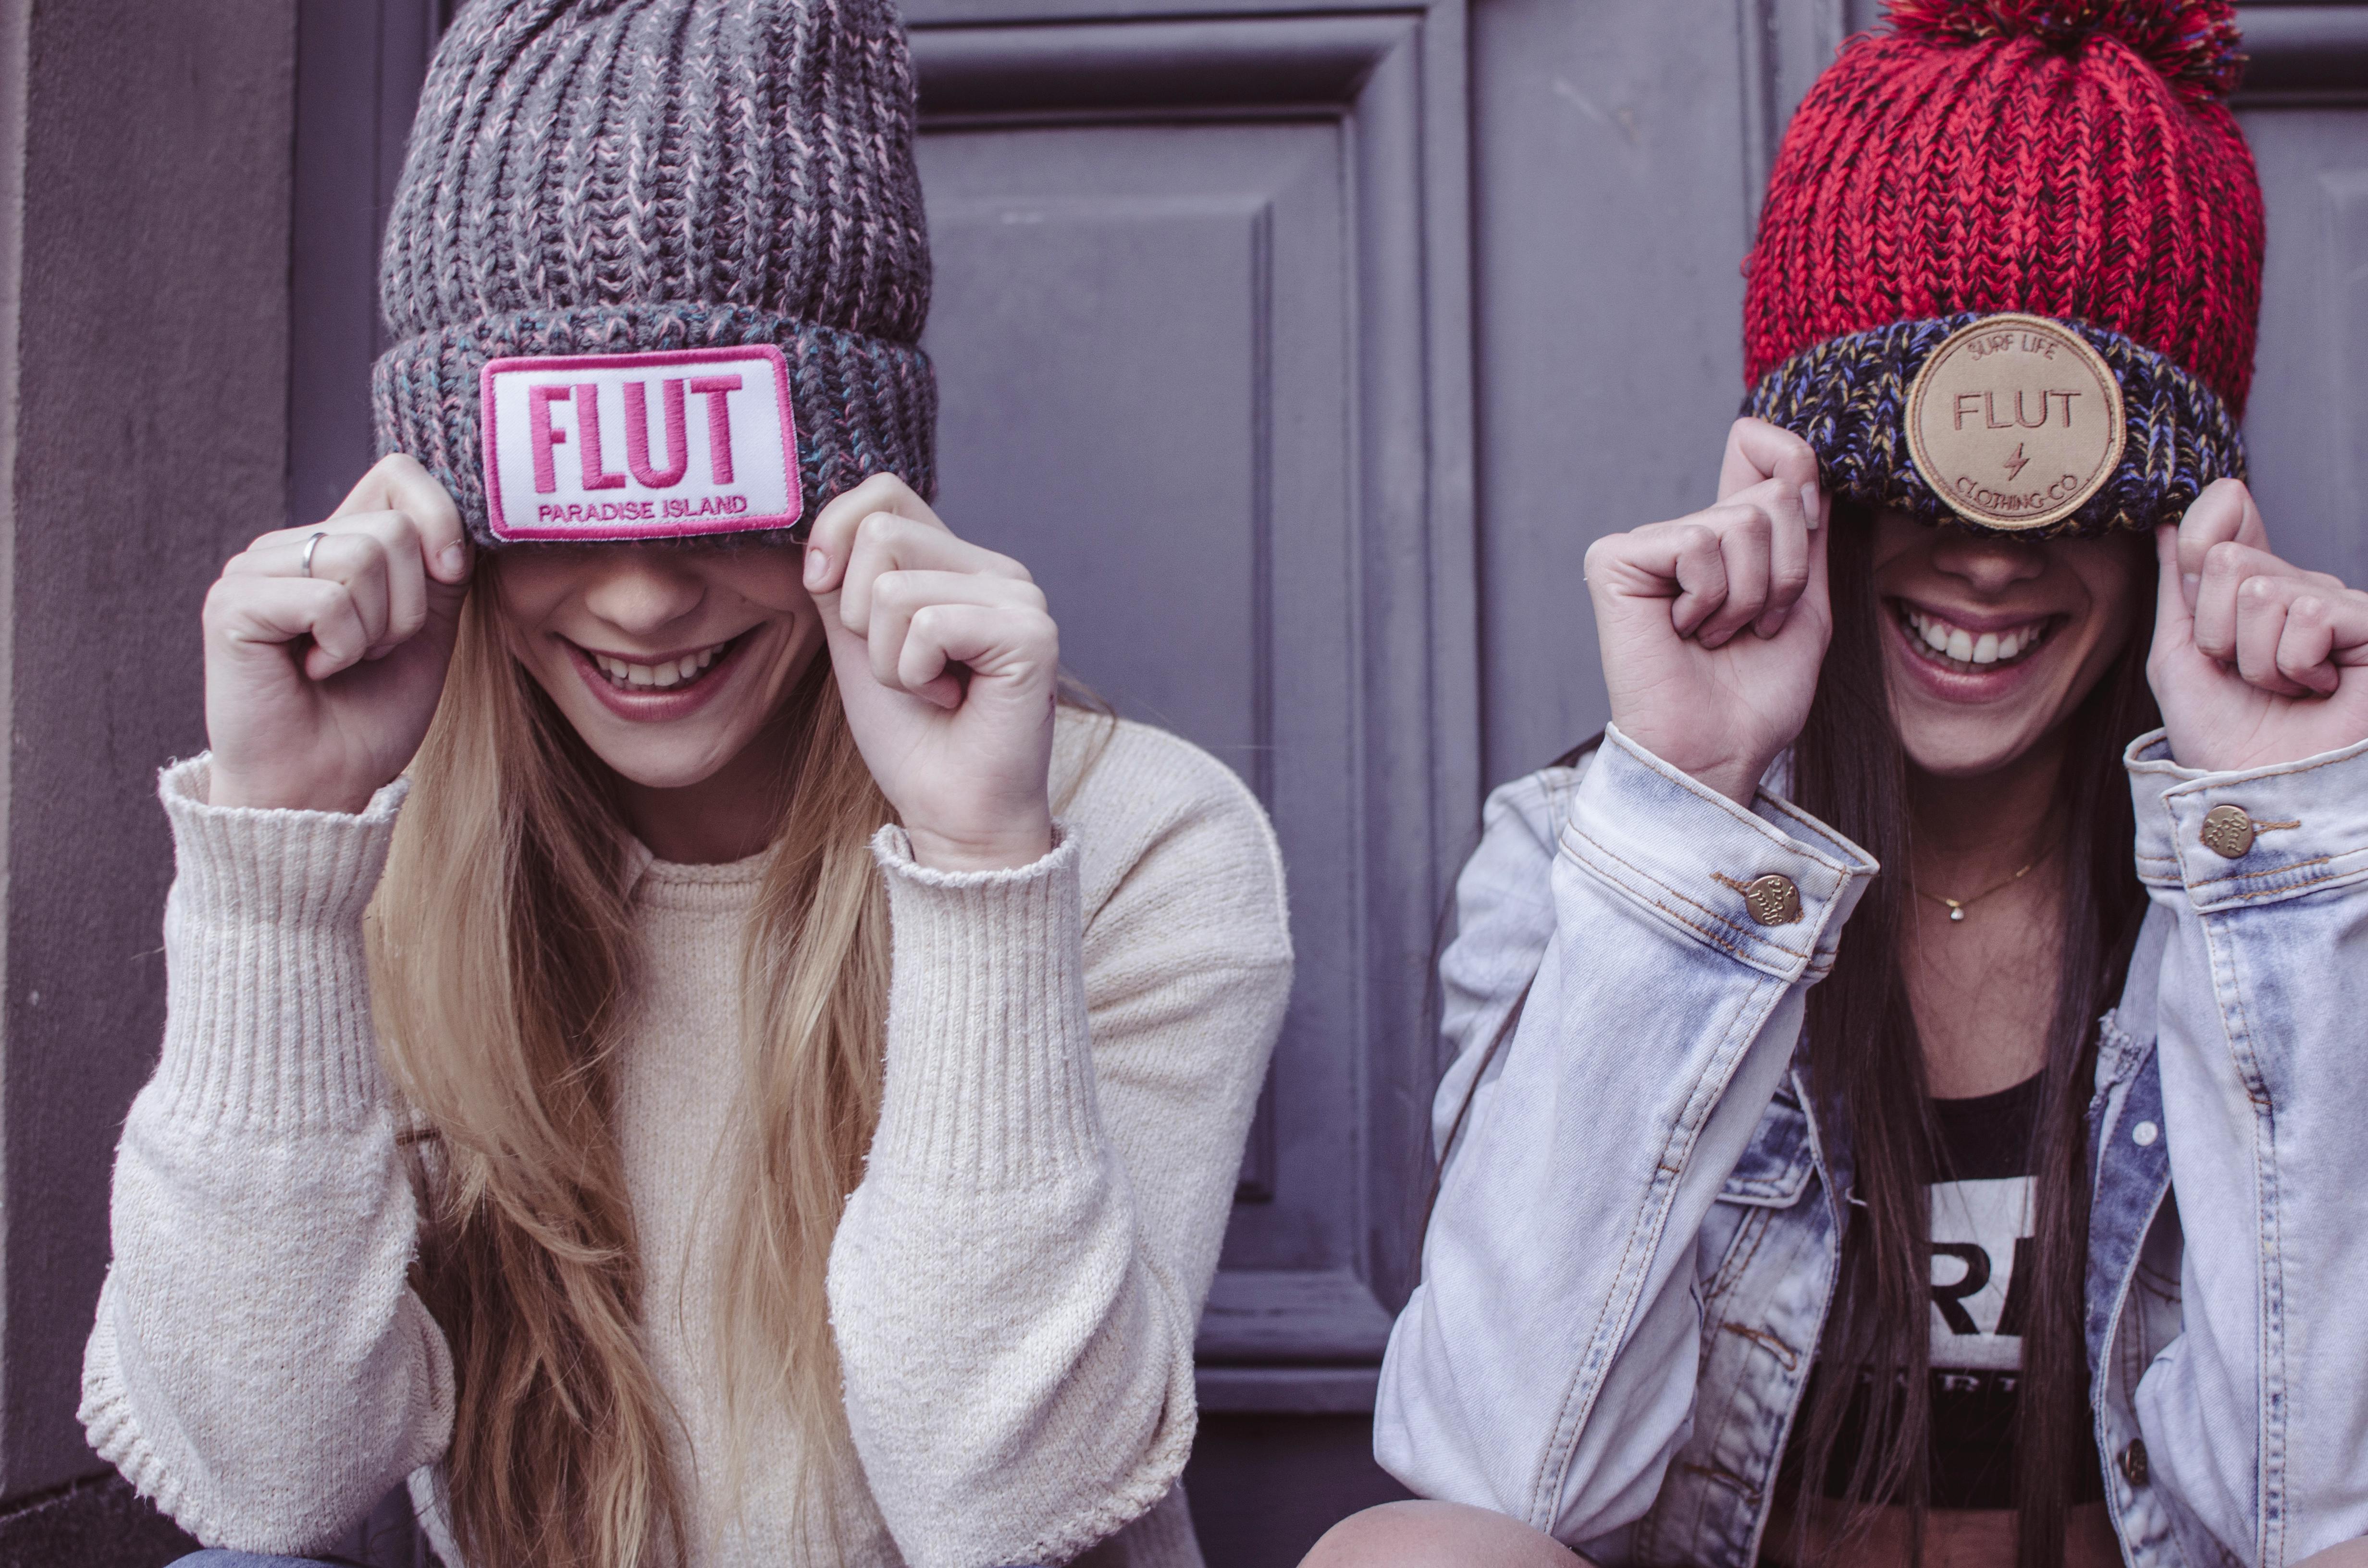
column 1989, row 561
column 639, row 591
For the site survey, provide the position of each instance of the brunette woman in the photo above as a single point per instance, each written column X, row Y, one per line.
column 678, row 1045
column 1992, row 1210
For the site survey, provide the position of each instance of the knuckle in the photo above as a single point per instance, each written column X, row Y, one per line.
column 884, row 483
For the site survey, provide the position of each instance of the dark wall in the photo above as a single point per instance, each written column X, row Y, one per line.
column 358, row 66
column 147, row 403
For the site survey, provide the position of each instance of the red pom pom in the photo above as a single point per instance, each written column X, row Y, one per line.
column 2193, row 42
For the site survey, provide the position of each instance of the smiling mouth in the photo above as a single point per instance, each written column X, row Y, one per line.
column 663, row 675
column 1953, row 647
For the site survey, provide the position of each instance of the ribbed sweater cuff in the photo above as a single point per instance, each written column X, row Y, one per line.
column 989, row 1081
column 268, row 1017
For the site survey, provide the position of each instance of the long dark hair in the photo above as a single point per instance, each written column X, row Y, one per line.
column 1866, row 1069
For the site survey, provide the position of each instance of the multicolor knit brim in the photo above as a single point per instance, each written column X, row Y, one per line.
column 1848, row 398
column 863, row 405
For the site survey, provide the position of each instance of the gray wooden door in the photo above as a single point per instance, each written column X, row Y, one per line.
column 1301, row 349
column 1203, row 332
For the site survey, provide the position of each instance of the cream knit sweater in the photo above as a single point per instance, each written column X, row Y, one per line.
column 1074, row 1050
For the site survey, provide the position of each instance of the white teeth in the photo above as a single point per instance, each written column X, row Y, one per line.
column 1956, row 643
column 673, row 672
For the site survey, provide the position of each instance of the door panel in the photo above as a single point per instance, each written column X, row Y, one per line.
column 2308, row 424
column 1189, row 273
column 1199, row 331
column 1103, row 332
column 1612, row 198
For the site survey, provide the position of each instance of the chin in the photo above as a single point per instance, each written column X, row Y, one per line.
column 662, row 766
column 1964, row 747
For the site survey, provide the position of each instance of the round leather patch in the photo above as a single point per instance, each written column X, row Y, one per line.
column 2015, row 422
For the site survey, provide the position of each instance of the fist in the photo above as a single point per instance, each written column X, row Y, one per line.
column 947, row 660
column 2254, row 662
column 327, row 646
column 1713, row 626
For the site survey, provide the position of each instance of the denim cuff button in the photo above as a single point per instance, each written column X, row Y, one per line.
column 2227, row 832
column 1772, row 900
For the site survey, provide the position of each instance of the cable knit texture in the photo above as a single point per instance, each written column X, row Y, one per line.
column 594, row 176
column 1074, row 1051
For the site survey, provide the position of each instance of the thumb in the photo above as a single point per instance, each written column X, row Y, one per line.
column 850, row 651
column 1817, row 593
column 2174, row 617
column 448, row 576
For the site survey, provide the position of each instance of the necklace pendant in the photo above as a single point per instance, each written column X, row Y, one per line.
column 1956, row 912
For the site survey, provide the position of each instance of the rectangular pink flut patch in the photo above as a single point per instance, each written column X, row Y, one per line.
column 639, row 446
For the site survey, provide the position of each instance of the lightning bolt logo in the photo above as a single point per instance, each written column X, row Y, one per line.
column 2015, row 464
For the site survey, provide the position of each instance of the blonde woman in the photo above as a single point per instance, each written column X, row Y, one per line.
column 678, row 1044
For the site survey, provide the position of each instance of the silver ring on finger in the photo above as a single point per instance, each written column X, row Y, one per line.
column 311, row 545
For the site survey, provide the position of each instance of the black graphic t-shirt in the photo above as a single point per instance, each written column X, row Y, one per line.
column 1982, row 1223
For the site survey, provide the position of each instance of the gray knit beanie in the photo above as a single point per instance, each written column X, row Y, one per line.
column 669, row 210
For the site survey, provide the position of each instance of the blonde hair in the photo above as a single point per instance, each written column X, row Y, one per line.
column 501, row 957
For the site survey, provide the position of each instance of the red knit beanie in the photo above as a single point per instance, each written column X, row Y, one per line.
column 2070, row 161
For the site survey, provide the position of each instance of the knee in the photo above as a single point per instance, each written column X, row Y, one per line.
column 1436, row 1535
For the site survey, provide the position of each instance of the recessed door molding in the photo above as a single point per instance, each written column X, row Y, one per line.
column 1367, row 724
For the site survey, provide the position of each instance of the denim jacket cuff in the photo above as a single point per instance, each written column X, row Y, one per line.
column 2257, row 836
column 1771, row 886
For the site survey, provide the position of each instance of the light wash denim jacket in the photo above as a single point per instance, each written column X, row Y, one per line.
column 1629, row 1265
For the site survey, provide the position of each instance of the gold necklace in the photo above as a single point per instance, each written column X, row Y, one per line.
column 1957, row 906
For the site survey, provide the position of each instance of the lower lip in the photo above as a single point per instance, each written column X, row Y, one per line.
column 1980, row 685
column 658, row 705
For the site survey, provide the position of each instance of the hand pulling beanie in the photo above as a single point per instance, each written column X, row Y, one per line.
column 682, row 178
column 2008, row 272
